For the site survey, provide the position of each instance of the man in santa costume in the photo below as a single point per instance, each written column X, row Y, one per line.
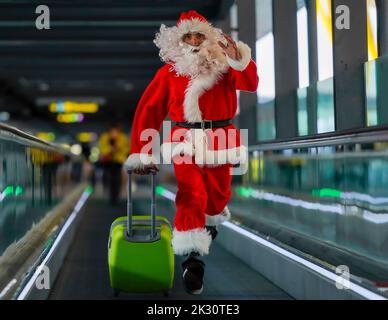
column 197, row 88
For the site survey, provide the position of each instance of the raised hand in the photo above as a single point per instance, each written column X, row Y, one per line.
column 231, row 48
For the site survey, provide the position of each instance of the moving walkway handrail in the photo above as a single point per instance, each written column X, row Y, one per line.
column 364, row 135
column 11, row 133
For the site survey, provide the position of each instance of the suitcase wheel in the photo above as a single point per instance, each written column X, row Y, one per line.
column 116, row 293
column 166, row 293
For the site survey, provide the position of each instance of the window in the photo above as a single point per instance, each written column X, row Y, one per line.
column 372, row 30
column 265, row 59
column 303, row 50
column 325, row 39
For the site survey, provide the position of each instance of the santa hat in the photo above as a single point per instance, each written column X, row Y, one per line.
column 170, row 38
column 192, row 21
column 190, row 15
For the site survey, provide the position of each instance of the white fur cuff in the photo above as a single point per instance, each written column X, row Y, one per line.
column 246, row 56
column 139, row 160
column 218, row 218
column 185, row 242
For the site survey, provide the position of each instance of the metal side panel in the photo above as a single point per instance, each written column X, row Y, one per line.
column 56, row 255
column 298, row 277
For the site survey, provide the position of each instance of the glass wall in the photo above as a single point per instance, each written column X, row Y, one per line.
column 266, row 68
column 325, row 39
column 372, row 29
column 325, row 98
column 315, row 101
column 316, row 109
column 371, row 92
column 328, row 202
column 321, row 106
column 32, row 181
column 266, row 121
column 376, row 77
column 303, row 49
column 302, row 112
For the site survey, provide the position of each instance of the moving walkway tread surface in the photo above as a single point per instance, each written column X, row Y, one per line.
column 84, row 274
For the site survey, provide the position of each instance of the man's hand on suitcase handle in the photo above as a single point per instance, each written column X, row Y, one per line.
column 146, row 169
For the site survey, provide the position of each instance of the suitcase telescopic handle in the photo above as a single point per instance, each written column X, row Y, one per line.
column 130, row 204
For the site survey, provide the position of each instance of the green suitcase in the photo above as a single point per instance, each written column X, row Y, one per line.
column 140, row 254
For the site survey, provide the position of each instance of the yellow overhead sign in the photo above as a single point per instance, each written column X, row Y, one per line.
column 70, row 117
column 69, row 106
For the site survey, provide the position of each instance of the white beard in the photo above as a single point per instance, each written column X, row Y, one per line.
column 209, row 60
column 205, row 59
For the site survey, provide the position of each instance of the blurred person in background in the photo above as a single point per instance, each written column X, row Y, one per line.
column 88, row 169
column 114, row 149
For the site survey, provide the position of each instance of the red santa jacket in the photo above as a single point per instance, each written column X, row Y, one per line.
column 211, row 97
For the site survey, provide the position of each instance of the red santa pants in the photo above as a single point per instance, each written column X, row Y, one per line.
column 201, row 191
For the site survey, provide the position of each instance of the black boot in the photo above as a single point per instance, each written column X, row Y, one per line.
column 212, row 230
column 193, row 272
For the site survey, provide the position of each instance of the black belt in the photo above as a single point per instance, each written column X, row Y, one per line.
column 205, row 124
